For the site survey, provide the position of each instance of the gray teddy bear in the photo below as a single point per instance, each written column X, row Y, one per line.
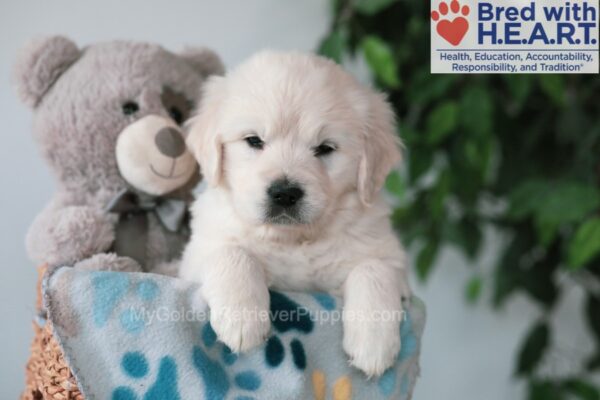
column 108, row 119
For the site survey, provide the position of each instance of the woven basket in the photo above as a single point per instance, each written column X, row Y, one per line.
column 48, row 376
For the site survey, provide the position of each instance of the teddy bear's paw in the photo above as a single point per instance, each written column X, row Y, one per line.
column 241, row 325
column 67, row 235
column 83, row 230
column 168, row 268
column 371, row 345
column 109, row 262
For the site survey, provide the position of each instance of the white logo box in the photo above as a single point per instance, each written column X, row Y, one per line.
column 514, row 36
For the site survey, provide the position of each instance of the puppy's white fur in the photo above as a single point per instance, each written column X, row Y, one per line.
column 341, row 243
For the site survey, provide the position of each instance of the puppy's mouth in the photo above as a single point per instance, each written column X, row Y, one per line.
column 279, row 216
column 283, row 219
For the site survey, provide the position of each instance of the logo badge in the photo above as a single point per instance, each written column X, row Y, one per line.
column 451, row 23
column 514, row 36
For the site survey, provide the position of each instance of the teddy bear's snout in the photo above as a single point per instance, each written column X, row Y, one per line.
column 169, row 142
column 152, row 155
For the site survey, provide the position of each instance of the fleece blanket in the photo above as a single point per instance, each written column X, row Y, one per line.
column 133, row 336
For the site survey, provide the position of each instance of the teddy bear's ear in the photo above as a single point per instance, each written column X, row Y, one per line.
column 39, row 65
column 205, row 61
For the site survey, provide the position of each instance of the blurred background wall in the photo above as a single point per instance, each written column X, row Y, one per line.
column 468, row 350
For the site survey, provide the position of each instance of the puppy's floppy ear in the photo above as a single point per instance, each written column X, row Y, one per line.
column 381, row 150
column 205, row 61
column 204, row 139
column 40, row 64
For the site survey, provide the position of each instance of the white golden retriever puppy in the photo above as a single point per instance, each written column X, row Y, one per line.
column 295, row 152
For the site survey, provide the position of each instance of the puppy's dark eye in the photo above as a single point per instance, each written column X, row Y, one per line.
column 255, row 142
column 130, row 108
column 323, row 149
column 176, row 114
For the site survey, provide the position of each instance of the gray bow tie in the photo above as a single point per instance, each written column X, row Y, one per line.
column 131, row 233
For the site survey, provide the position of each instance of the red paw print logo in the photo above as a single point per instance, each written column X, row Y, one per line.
column 453, row 30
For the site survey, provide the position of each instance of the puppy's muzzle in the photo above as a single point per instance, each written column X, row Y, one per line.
column 284, row 202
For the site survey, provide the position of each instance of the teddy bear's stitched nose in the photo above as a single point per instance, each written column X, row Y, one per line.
column 170, row 142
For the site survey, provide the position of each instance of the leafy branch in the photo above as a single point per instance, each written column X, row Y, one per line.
column 516, row 154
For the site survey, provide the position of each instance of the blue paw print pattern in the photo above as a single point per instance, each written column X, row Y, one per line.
column 147, row 289
column 298, row 354
column 108, row 289
column 388, row 381
column 165, row 386
column 149, row 363
column 274, row 352
column 135, row 366
column 287, row 316
column 131, row 321
column 217, row 383
column 124, row 393
column 409, row 340
column 248, row 380
column 228, row 356
column 326, row 301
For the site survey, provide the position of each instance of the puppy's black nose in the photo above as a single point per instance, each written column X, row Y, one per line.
column 284, row 193
column 170, row 142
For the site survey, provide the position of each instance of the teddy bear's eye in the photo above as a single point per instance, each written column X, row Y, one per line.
column 176, row 114
column 177, row 105
column 130, row 108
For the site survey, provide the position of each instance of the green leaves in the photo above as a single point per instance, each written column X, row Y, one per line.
column 395, row 184
column 442, row 120
column 569, row 201
column 424, row 88
column 476, row 111
column 519, row 86
column 592, row 306
column 571, row 389
column 420, row 161
column 552, row 204
column 371, row 7
column 334, row 46
column 438, row 195
column 466, row 235
column 473, row 289
column 426, row 258
column 524, row 200
column 533, row 349
column 582, row 390
column 586, row 243
column 514, row 154
column 380, row 58
column 545, row 390
column 554, row 87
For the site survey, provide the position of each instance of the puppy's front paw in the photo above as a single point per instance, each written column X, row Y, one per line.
column 372, row 346
column 240, row 324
